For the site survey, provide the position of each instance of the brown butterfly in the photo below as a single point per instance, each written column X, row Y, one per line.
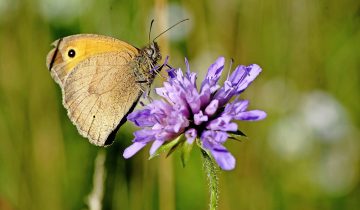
column 102, row 79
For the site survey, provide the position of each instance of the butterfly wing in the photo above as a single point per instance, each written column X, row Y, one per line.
column 61, row 64
column 98, row 95
column 98, row 84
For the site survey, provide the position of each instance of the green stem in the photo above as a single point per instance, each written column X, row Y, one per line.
column 210, row 168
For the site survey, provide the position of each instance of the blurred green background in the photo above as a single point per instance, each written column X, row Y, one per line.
column 305, row 155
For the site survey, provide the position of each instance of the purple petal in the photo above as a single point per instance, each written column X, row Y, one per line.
column 199, row 118
column 223, row 96
column 214, row 71
column 187, row 66
column 222, row 123
column 144, row 135
column 211, row 140
column 228, row 85
column 133, row 149
column 190, row 135
column 169, row 93
column 236, row 106
column 238, row 74
column 205, row 94
column 177, row 122
column 238, row 81
column 141, row 118
column 213, row 137
column 190, row 75
column 213, row 74
column 249, row 74
column 223, row 157
column 163, row 92
column 252, row 115
column 155, row 146
column 164, row 135
column 241, row 105
column 160, row 108
column 193, row 100
column 212, row 107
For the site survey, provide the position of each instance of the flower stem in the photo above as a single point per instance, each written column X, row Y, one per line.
column 211, row 171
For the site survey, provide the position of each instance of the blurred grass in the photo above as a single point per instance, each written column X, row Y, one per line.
column 307, row 45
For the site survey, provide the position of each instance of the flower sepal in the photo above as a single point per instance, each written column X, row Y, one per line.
column 202, row 149
column 236, row 135
column 169, row 147
column 185, row 152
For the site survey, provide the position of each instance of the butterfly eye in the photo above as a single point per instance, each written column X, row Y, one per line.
column 149, row 51
column 71, row 53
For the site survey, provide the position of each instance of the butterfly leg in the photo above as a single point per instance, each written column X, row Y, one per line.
column 147, row 94
column 170, row 67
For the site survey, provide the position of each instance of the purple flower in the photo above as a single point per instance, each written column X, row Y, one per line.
column 204, row 115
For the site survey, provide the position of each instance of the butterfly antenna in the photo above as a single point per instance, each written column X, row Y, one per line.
column 170, row 28
column 151, row 24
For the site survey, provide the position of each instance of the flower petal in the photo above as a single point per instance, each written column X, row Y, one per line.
column 249, row 73
column 141, row 118
column 144, row 135
column 212, row 76
column 190, row 135
column 223, row 157
column 212, row 107
column 253, row 115
column 238, row 81
column 222, row 123
column 193, row 100
column 133, row 149
column 190, row 75
column 211, row 140
column 236, row 106
column 205, row 94
column 199, row 118
column 214, row 136
column 155, row 146
column 214, row 71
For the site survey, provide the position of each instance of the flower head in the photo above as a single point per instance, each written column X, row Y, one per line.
column 204, row 114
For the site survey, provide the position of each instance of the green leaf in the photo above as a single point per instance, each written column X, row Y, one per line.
column 185, row 152
column 167, row 147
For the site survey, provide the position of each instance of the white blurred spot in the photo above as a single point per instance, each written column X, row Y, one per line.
column 289, row 138
column 63, row 10
column 318, row 116
column 325, row 116
column 336, row 174
column 175, row 13
column 317, row 133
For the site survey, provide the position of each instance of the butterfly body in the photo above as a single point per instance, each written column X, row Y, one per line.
column 101, row 79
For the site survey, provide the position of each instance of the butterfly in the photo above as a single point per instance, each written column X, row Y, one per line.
column 101, row 79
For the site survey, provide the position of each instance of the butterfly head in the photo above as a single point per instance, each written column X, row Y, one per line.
column 152, row 51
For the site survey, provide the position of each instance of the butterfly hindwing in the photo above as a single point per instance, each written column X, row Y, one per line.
column 99, row 93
